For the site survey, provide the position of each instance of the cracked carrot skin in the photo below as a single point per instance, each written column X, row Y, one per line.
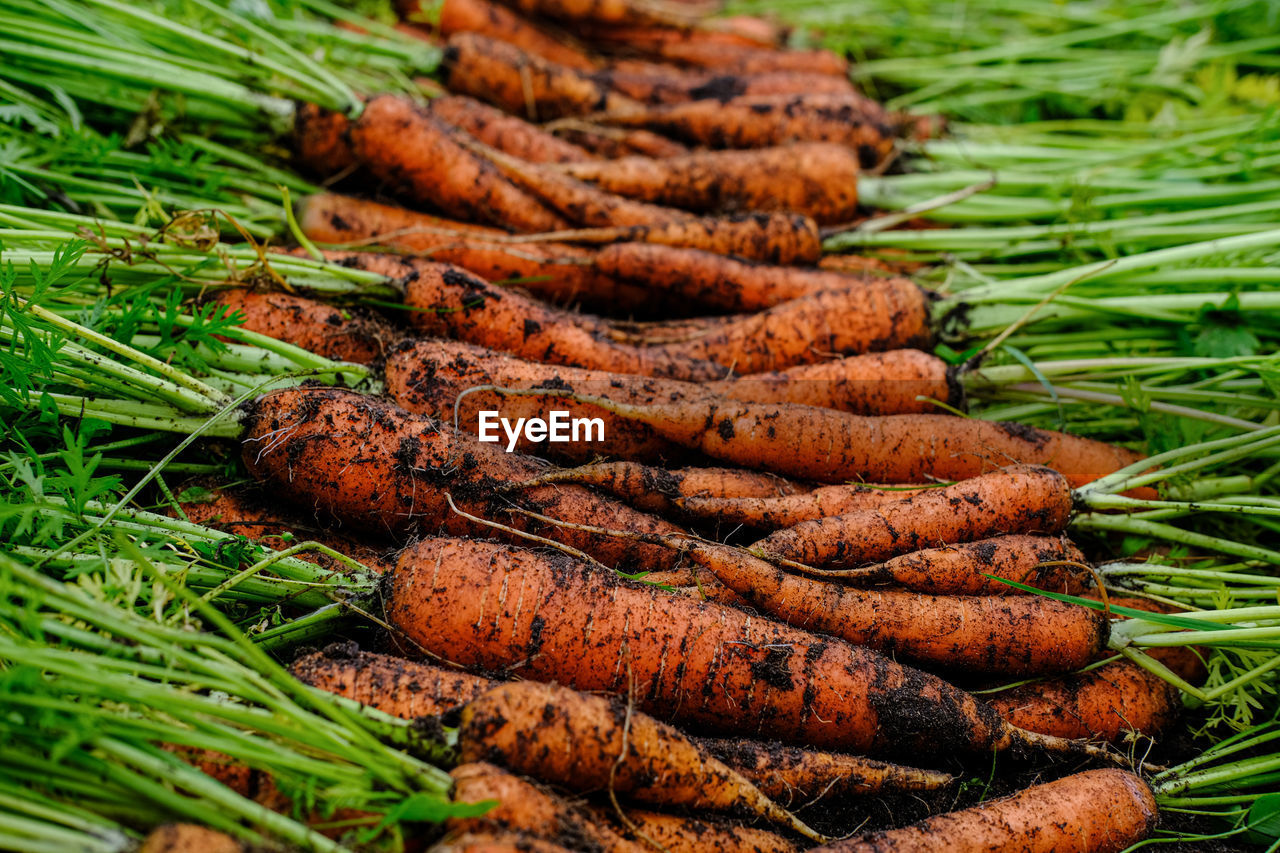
column 694, row 663
column 1107, row 703
column 1015, row 499
column 1097, row 811
column 375, row 466
column 497, row 22
column 817, row 179
column 402, row 688
column 523, row 83
column 420, row 159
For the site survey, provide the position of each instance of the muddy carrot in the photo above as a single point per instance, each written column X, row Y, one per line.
column 506, row 133
column 680, row 834
column 725, row 49
column 495, row 21
column 420, row 159
column 587, row 742
column 657, row 83
column 613, row 142
column 320, row 142
column 637, row 12
column 348, row 334
column 497, row 842
column 1097, row 811
column 187, row 838
column 402, row 688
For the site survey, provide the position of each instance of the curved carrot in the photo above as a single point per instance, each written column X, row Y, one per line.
column 587, row 742
column 506, row 133
column 1097, row 811
column 1106, row 703
column 1016, row 499
column 548, row 617
column 347, row 334
column 499, row 22
column 375, row 466
column 395, row 686
column 420, row 159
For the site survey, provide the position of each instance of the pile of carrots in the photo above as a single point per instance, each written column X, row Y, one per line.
column 782, row 557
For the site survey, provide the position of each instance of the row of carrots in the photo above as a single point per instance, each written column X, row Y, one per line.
column 819, row 553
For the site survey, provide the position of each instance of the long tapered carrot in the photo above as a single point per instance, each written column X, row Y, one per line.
column 588, row 742
column 722, row 50
column 613, row 142
column 1016, row 499
column 818, row 179
column 830, row 446
column 555, row 271
column 1097, row 811
column 658, row 83
column 774, row 237
column 505, row 132
column 448, row 301
column 524, row 83
column 761, row 121
column 375, row 466
column 402, row 688
column 682, row 834
column 900, row 381
column 546, row 616
column 798, row 776
column 347, row 334
column 495, row 21
column 1106, row 702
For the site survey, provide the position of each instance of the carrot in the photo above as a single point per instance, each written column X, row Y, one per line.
column 553, row 271
column 613, row 142
column 395, row 686
column 1014, row 635
column 587, row 742
column 650, row 332
column 346, row 334
column 829, row 446
column 524, row 83
column 718, row 282
column 497, row 842
column 188, row 838
column 724, row 50
column 505, row 132
column 247, row 511
column 662, row 12
column 546, row 616
column 420, row 159
column 375, row 466
column 741, row 30
column 657, row 83
column 320, row 142
column 801, row 776
column 817, row 179
column 696, row 835
column 1106, row 702
column 777, row 238
column 496, row 22
column 522, row 806
column 448, row 301
column 1097, row 811
column 1016, row 499
column 763, row 121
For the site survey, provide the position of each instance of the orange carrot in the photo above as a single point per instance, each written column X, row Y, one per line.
column 677, row 834
column 545, row 616
column 761, row 121
column 188, row 838
column 1016, row 499
column 374, row 466
column 395, row 686
column 524, row 83
column 420, row 159
column 347, row 334
column 725, row 49
column 794, row 775
column 507, row 133
column 1097, row 811
column 661, row 12
column 496, row 22
column 586, row 743
column 320, row 142
column 613, row 142
column 773, row 237
column 1105, row 703
column 497, row 842
column 658, row 83
column 817, row 179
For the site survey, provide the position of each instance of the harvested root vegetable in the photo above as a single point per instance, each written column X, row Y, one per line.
column 1016, row 499
column 678, row 834
column 524, row 83
column 347, row 334
column 373, row 465
column 1097, row 811
column 1107, row 702
column 497, row 842
column 188, row 838
column 762, row 121
column 797, row 777
column 595, row 743
column 402, row 688
column 656, row 83
column 817, row 179
column 420, row 160
column 506, row 133
column 633, row 12
column 499, row 22
column 726, row 49
column 614, row 142
column 549, row 617
column 320, row 141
